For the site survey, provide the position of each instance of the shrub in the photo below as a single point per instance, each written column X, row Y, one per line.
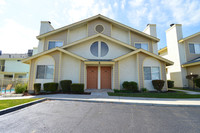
column 37, row 88
column 170, row 83
column 131, row 86
column 158, row 84
column 125, row 84
column 66, row 85
column 197, row 82
column 77, row 88
column 50, row 87
column 20, row 88
column 144, row 90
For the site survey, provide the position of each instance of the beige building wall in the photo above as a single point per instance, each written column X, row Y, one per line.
column 120, row 34
column 77, row 33
column 190, row 56
column 135, row 38
column 94, row 23
column 193, row 70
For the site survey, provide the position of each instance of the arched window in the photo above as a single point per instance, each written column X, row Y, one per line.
column 103, row 51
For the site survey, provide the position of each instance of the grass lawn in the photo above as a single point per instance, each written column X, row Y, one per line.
column 156, row 95
column 186, row 89
column 10, row 103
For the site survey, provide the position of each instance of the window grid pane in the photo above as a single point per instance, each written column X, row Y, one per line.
column 191, row 47
column 51, row 45
column 104, row 49
column 155, row 73
column 49, row 72
column 147, row 73
column 94, row 49
column 144, row 46
column 197, row 48
column 40, row 72
column 138, row 45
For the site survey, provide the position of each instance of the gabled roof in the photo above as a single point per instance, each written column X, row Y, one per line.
column 146, row 52
column 95, row 17
column 162, row 50
column 99, row 35
column 193, row 62
column 186, row 38
column 52, row 50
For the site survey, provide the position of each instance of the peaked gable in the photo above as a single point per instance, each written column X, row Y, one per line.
column 93, row 18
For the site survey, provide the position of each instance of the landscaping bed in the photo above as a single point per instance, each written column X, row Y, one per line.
column 155, row 94
column 10, row 103
column 195, row 90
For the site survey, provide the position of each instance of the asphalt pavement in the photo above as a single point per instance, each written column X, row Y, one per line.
column 59, row 116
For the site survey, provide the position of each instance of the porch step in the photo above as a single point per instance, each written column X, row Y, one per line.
column 99, row 92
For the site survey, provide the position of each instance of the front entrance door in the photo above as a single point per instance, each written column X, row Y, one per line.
column 92, row 77
column 105, row 77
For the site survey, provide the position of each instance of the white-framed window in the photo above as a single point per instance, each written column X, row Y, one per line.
column 103, row 51
column 194, row 48
column 142, row 45
column 45, row 72
column 53, row 44
column 151, row 73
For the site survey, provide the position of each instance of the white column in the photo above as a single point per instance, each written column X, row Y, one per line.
column 99, row 76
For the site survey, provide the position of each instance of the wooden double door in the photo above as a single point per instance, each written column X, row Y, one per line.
column 92, row 77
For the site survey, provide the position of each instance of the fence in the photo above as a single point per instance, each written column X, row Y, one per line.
column 5, row 81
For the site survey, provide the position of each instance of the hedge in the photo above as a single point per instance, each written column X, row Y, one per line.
column 37, row 88
column 131, row 86
column 197, row 82
column 77, row 88
column 20, row 88
column 158, row 84
column 170, row 83
column 66, row 85
column 50, row 87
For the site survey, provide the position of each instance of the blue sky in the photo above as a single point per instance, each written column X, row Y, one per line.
column 20, row 19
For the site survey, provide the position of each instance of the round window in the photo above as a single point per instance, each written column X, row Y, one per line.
column 103, row 51
column 99, row 28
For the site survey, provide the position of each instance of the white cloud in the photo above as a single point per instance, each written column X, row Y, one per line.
column 123, row 4
column 2, row 2
column 16, row 38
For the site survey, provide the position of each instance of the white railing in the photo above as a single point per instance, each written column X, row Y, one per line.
column 5, row 81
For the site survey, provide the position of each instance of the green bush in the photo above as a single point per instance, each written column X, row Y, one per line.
column 158, row 84
column 50, row 87
column 77, row 88
column 144, row 90
column 170, row 83
column 197, row 82
column 66, row 85
column 20, row 88
column 37, row 88
column 131, row 86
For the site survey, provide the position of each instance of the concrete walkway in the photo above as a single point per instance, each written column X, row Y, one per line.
column 117, row 99
column 187, row 91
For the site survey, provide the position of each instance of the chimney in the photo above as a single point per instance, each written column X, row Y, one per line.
column 45, row 27
column 151, row 30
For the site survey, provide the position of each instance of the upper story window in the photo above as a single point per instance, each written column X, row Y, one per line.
column 99, row 51
column 142, row 45
column 194, row 48
column 45, row 72
column 151, row 73
column 53, row 44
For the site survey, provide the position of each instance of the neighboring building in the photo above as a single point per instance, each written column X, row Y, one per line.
column 184, row 52
column 12, row 67
column 99, row 52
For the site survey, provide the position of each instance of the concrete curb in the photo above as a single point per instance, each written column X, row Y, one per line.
column 17, row 107
column 132, row 103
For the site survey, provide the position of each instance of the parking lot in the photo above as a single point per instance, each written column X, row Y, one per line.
column 89, row 117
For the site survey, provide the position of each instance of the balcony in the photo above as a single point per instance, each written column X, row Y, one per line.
column 2, row 68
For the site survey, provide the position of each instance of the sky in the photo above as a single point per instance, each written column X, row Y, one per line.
column 20, row 19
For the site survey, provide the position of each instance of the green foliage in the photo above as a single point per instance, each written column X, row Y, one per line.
column 170, row 83
column 66, row 85
column 144, row 90
column 20, row 88
column 197, row 82
column 131, row 86
column 50, row 87
column 37, row 88
column 158, row 84
column 77, row 88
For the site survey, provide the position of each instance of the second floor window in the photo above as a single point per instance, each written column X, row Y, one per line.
column 142, row 45
column 53, row 44
column 194, row 48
